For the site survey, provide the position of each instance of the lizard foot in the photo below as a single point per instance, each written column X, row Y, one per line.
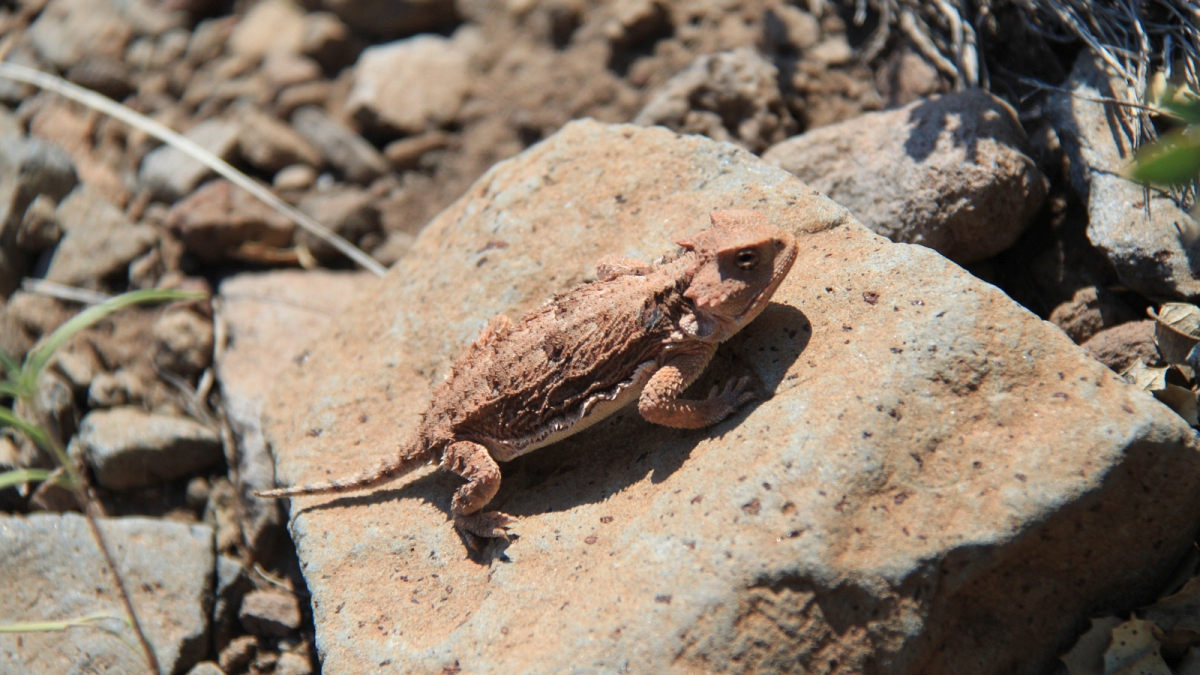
column 483, row 525
column 735, row 394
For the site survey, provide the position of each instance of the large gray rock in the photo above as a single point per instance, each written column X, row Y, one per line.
column 1154, row 245
column 98, row 243
column 53, row 571
column 270, row 319
column 939, row 481
column 951, row 172
column 128, row 447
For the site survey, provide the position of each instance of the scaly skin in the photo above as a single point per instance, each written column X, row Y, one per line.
column 641, row 332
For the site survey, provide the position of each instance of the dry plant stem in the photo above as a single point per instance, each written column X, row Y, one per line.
column 92, row 512
column 69, row 293
column 134, row 119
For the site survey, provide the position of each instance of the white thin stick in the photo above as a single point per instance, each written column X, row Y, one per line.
column 62, row 292
column 137, row 120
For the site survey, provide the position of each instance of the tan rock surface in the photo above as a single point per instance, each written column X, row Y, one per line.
column 268, row 319
column 940, row 482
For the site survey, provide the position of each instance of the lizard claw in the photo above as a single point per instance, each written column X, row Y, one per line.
column 484, row 525
column 735, row 394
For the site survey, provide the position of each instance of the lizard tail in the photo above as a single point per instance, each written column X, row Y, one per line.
column 388, row 470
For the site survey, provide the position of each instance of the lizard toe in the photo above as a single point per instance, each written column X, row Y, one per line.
column 489, row 525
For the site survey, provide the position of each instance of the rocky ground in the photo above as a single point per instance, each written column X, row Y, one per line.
column 939, row 481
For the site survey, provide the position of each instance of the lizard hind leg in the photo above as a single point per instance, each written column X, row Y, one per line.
column 472, row 461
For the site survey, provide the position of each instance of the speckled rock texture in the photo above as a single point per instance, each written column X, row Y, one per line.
column 269, row 319
column 938, row 482
column 1155, row 246
column 949, row 172
column 53, row 571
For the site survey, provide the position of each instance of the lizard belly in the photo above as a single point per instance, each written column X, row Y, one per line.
column 592, row 411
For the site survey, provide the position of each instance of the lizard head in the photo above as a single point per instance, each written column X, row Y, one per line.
column 743, row 259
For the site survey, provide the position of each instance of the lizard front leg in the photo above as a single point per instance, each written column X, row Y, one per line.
column 659, row 403
column 472, row 462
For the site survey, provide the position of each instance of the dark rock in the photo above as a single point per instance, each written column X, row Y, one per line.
column 233, row 582
column 329, row 41
column 108, row 76
column 389, row 19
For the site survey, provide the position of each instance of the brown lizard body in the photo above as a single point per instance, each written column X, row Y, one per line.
column 641, row 332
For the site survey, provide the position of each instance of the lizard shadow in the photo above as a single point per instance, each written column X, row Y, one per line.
column 622, row 450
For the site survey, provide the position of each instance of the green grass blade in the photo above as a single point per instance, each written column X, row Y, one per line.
column 37, row 359
column 11, row 367
column 8, row 388
column 1174, row 160
column 19, row 476
column 1188, row 111
column 8, row 418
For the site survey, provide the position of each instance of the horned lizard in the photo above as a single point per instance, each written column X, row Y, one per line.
column 640, row 332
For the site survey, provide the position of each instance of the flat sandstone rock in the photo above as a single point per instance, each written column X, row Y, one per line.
column 939, row 482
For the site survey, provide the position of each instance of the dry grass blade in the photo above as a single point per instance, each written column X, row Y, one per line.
column 135, row 119
column 69, row 293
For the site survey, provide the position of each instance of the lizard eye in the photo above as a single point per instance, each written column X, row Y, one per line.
column 747, row 258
